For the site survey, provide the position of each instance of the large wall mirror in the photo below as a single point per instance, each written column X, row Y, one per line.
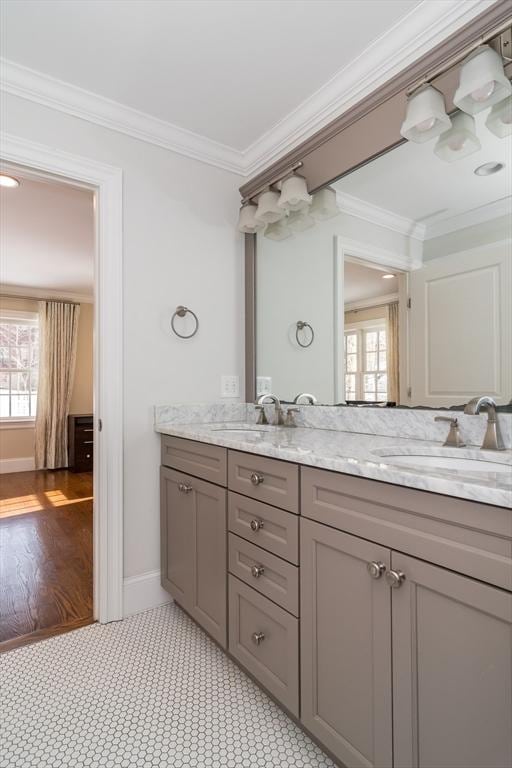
column 400, row 291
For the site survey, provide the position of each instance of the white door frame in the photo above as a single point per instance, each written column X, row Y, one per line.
column 108, row 355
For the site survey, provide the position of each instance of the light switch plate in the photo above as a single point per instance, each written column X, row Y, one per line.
column 229, row 386
column 263, row 385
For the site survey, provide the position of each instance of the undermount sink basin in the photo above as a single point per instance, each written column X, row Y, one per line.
column 449, row 462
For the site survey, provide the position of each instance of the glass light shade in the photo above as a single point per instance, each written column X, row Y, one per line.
column 268, row 210
column 247, row 221
column 324, row 205
column 299, row 221
column 294, row 194
column 482, row 81
column 279, row 230
column 499, row 119
column 426, row 116
column 460, row 141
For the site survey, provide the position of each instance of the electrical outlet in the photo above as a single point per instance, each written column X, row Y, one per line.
column 229, row 386
column 263, row 385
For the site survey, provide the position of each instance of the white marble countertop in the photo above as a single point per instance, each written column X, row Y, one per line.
column 361, row 455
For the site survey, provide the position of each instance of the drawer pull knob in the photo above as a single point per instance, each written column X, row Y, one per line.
column 395, row 579
column 258, row 637
column 257, row 571
column 376, row 569
column 184, row 488
column 256, row 478
column 256, row 525
column 87, row 455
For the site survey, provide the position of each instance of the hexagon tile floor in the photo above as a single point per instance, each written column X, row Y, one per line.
column 151, row 690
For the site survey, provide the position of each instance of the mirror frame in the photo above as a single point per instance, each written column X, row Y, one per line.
column 362, row 133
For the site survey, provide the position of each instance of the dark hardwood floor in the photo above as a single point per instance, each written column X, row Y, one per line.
column 46, row 571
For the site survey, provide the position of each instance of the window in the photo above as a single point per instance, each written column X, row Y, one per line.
column 19, row 358
column 366, row 362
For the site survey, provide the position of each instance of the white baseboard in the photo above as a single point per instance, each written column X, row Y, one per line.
column 17, row 465
column 140, row 593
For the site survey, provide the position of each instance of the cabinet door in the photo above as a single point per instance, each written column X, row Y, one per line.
column 193, row 548
column 452, row 669
column 346, row 646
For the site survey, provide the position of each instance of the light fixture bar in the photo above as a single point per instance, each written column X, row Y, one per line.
column 273, row 181
column 458, row 57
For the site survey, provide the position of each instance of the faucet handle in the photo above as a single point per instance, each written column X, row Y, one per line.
column 454, row 439
column 262, row 416
column 290, row 417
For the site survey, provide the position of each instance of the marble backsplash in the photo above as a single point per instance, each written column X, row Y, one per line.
column 388, row 422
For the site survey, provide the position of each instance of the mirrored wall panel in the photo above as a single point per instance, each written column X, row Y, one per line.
column 395, row 285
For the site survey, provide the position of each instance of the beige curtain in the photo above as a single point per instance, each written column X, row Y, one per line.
column 58, row 329
column 392, row 356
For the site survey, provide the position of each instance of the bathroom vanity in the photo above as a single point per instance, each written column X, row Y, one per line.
column 376, row 613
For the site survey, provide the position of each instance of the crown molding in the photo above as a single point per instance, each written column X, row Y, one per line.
column 72, row 100
column 410, row 38
column 388, row 298
column 42, row 294
column 469, row 218
column 361, row 209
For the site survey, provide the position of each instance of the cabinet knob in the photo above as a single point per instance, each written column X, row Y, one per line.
column 376, row 569
column 258, row 637
column 257, row 571
column 184, row 488
column 256, row 525
column 395, row 579
column 256, row 478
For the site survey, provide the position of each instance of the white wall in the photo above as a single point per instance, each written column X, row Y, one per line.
column 180, row 247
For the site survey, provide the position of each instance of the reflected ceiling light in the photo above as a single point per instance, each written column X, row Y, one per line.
column 8, row 181
column 299, row 221
column 387, row 277
column 247, row 221
column 268, row 210
column 426, row 115
column 324, row 205
column 279, row 230
column 499, row 120
column 460, row 141
column 482, row 81
column 294, row 194
column 487, row 169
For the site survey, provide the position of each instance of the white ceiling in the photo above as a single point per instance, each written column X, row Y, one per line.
column 413, row 182
column 362, row 282
column 47, row 238
column 225, row 69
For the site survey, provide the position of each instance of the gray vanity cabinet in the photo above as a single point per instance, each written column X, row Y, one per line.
column 452, row 670
column 193, row 548
column 346, row 646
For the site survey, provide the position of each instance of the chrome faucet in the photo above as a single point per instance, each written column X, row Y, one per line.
column 310, row 398
column 492, row 438
column 454, row 438
column 279, row 415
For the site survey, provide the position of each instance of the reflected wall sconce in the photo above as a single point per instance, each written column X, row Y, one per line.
column 483, row 81
column 278, row 230
column 460, row 141
column 425, row 116
column 499, row 119
column 324, row 205
column 299, row 221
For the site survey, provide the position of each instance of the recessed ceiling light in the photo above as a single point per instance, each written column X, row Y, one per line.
column 387, row 277
column 8, row 181
column 487, row 169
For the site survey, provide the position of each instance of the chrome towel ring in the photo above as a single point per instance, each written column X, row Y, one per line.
column 301, row 324
column 181, row 312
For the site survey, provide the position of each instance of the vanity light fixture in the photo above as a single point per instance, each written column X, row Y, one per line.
column 482, row 81
column 499, row 119
column 488, row 169
column 8, row 181
column 460, row 141
column 278, row 230
column 294, row 194
column 426, row 115
column 247, row 221
column 324, row 205
column 268, row 210
column 299, row 221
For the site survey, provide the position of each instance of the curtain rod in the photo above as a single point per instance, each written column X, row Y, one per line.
column 38, row 298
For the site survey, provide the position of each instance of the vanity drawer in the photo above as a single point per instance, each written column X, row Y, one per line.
column 273, row 577
column 269, row 480
column 268, row 527
column 265, row 640
column 208, row 462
